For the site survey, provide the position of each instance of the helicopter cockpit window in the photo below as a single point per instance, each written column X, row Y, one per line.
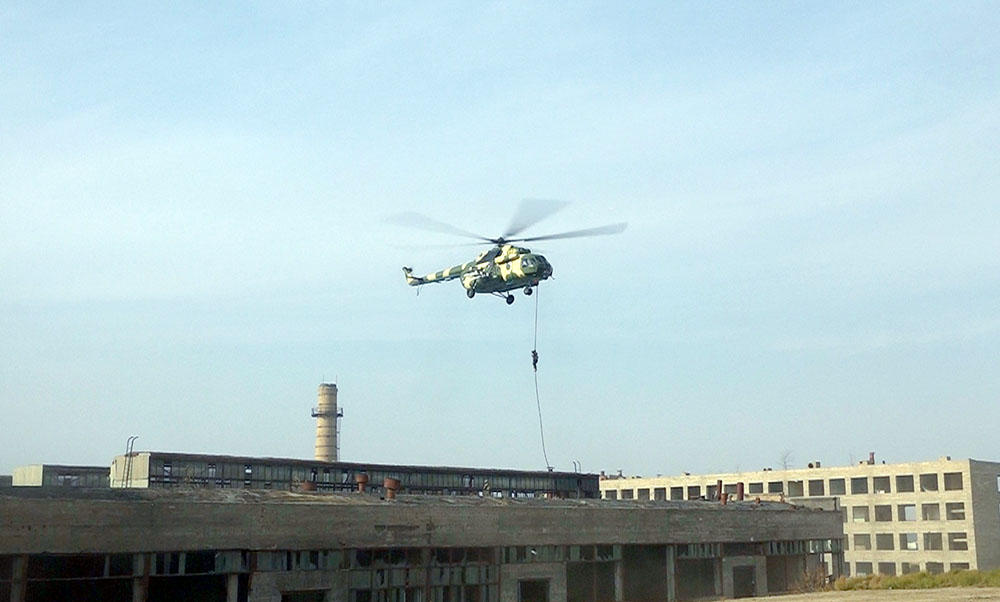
column 528, row 262
column 491, row 254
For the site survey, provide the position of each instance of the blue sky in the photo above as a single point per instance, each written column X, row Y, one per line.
column 193, row 236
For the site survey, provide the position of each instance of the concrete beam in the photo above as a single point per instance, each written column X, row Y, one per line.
column 33, row 526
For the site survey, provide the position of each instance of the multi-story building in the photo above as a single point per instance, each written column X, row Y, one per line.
column 898, row 518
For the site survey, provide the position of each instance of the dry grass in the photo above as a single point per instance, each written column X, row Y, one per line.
column 921, row 581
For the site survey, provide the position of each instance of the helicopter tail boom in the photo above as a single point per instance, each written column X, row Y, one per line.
column 446, row 274
column 411, row 279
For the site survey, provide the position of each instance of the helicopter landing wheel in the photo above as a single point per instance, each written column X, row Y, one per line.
column 527, row 290
column 510, row 299
column 470, row 293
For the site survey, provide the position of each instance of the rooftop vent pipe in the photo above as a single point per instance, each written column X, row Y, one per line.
column 391, row 487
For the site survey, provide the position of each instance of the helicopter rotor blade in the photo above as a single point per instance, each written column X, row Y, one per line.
column 422, row 222
column 598, row 231
column 530, row 212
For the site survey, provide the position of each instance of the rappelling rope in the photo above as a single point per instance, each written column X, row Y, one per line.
column 538, row 402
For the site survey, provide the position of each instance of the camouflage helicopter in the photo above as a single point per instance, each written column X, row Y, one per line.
column 504, row 267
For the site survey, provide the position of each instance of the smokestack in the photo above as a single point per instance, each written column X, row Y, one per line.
column 326, row 415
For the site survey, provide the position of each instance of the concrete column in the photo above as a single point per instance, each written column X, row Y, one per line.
column 717, row 564
column 760, row 576
column 19, row 583
column 140, row 579
column 232, row 587
column 619, row 581
column 671, row 574
column 728, row 587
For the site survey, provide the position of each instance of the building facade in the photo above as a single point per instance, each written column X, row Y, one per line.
column 898, row 518
column 148, row 469
column 57, row 475
column 219, row 545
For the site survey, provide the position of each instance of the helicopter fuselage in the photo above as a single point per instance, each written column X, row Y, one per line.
column 500, row 269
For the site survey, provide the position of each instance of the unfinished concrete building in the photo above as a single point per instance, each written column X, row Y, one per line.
column 898, row 518
column 253, row 545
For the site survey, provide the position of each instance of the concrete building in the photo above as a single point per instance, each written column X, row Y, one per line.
column 56, row 475
column 150, row 469
column 146, row 545
column 898, row 518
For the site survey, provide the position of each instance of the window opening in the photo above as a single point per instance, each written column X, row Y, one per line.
column 958, row 541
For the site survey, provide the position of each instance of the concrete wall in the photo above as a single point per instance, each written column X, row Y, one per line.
column 985, row 513
column 512, row 574
column 138, row 472
column 28, row 476
column 178, row 522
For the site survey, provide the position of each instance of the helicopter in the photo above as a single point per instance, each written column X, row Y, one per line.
column 505, row 266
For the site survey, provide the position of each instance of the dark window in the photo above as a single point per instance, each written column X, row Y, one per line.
column 859, row 485
column 837, row 487
column 904, row 483
column 816, row 487
column 958, row 541
column 932, row 541
column 952, row 481
column 883, row 541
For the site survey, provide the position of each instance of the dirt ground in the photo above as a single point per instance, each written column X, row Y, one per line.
column 945, row 594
